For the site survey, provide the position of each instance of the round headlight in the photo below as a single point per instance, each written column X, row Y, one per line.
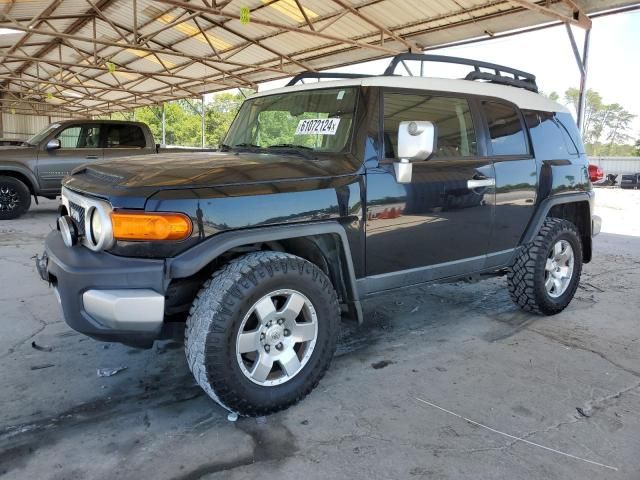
column 96, row 226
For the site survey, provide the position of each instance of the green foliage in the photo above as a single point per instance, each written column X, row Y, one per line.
column 606, row 126
column 183, row 119
column 218, row 116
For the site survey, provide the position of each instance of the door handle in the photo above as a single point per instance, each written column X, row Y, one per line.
column 91, row 157
column 481, row 183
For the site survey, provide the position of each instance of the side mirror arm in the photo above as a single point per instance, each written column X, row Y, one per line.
column 403, row 170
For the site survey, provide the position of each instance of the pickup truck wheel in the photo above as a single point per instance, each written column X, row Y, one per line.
column 546, row 273
column 262, row 331
column 15, row 198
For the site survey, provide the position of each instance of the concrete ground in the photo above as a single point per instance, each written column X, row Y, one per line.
column 547, row 398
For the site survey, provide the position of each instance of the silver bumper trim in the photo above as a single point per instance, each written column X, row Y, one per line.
column 596, row 225
column 137, row 310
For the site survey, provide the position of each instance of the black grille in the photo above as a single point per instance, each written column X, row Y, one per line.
column 77, row 213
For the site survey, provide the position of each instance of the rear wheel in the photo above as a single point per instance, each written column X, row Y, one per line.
column 15, row 198
column 545, row 276
column 262, row 332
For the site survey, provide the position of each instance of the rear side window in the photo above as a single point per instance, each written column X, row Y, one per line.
column 505, row 129
column 452, row 117
column 550, row 140
column 125, row 136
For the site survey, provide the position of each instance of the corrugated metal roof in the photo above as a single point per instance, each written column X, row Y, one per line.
column 96, row 56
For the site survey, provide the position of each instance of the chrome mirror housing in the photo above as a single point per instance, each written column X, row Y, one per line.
column 416, row 142
column 54, row 144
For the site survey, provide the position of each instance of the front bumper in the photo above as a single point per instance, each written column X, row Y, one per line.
column 106, row 297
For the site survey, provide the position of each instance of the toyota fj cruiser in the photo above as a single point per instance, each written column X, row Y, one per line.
column 324, row 194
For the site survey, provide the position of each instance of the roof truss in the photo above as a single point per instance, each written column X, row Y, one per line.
column 114, row 56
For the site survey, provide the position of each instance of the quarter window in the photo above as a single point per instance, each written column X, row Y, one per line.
column 452, row 117
column 505, row 129
column 549, row 140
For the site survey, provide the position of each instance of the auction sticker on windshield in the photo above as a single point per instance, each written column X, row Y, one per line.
column 320, row 126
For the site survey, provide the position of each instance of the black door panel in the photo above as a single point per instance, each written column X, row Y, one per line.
column 434, row 219
column 439, row 222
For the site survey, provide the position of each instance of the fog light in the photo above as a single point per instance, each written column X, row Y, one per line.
column 69, row 230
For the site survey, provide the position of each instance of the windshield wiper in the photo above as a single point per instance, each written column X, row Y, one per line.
column 301, row 150
column 225, row 148
column 245, row 145
column 290, row 145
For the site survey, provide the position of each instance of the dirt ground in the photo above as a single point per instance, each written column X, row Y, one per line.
column 442, row 382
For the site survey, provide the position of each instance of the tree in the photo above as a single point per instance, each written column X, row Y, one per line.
column 552, row 96
column 618, row 122
column 219, row 114
column 603, row 123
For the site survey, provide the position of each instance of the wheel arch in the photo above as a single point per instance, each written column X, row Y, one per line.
column 576, row 208
column 325, row 244
column 22, row 175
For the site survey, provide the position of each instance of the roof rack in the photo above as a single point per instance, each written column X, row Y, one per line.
column 318, row 75
column 517, row 78
column 501, row 74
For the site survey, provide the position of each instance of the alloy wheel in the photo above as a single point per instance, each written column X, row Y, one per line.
column 559, row 268
column 277, row 337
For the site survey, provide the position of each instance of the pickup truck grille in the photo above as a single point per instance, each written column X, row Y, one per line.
column 77, row 213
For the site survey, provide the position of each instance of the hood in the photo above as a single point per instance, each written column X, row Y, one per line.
column 208, row 169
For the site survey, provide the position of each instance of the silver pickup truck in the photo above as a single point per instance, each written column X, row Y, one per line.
column 37, row 167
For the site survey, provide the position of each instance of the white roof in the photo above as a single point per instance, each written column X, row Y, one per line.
column 522, row 98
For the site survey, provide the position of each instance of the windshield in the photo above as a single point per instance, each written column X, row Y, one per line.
column 42, row 134
column 313, row 120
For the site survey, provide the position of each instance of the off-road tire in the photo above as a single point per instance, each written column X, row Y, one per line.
column 527, row 275
column 216, row 316
column 23, row 194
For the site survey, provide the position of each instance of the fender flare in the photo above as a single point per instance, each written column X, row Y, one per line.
column 10, row 167
column 196, row 258
column 545, row 206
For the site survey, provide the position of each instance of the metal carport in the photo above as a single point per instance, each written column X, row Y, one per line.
column 66, row 58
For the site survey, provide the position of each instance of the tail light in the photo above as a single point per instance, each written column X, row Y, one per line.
column 595, row 173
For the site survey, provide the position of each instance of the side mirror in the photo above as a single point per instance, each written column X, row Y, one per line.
column 54, row 144
column 416, row 142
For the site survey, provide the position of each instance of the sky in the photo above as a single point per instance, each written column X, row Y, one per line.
column 613, row 69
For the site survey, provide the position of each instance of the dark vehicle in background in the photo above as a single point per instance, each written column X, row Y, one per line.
column 323, row 195
column 631, row 182
column 37, row 166
column 10, row 142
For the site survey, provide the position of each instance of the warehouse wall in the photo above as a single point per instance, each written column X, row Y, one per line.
column 15, row 125
column 617, row 165
column 21, row 119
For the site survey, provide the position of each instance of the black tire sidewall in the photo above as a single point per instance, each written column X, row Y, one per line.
column 221, row 340
column 23, row 193
column 564, row 232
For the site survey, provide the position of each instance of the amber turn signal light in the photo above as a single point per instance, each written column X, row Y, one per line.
column 141, row 226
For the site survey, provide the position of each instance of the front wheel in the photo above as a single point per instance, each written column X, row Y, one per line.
column 262, row 332
column 546, row 273
column 15, row 198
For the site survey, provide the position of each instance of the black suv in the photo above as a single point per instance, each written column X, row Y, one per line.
column 324, row 194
